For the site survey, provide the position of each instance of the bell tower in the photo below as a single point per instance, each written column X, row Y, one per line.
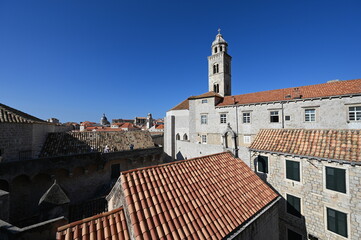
column 219, row 67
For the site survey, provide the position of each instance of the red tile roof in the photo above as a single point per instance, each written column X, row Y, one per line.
column 128, row 125
column 161, row 126
column 205, row 95
column 338, row 88
column 11, row 115
column 329, row 144
column 201, row 198
column 109, row 225
column 183, row 105
column 312, row 91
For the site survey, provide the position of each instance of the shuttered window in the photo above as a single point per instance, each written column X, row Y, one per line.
column 337, row 222
column 262, row 164
column 293, row 170
column 291, row 235
column 294, row 205
column 336, row 179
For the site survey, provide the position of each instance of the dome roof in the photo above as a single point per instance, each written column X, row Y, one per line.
column 219, row 39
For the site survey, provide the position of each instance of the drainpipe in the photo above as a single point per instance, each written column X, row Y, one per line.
column 283, row 117
column 236, row 145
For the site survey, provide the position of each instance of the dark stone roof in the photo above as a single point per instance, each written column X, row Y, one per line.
column 54, row 196
column 11, row 115
column 70, row 143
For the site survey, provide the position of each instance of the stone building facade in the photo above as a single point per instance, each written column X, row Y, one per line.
column 200, row 122
column 318, row 175
column 22, row 135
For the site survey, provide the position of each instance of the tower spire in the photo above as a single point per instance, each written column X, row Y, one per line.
column 219, row 67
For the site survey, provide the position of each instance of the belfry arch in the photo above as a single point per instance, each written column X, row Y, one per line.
column 229, row 139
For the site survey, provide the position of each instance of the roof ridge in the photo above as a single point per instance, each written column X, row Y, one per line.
column 313, row 129
column 85, row 220
column 27, row 117
column 171, row 163
column 326, row 83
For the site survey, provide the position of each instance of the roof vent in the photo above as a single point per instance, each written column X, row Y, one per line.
column 335, row 80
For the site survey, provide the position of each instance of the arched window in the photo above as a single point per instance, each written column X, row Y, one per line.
column 177, row 137
column 185, row 137
column 216, row 88
column 215, row 68
column 220, row 48
column 215, row 50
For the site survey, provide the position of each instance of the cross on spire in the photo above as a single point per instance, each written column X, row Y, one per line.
column 219, row 31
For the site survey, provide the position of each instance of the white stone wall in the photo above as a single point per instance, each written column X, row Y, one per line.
column 180, row 125
column 187, row 150
column 314, row 196
column 331, row 113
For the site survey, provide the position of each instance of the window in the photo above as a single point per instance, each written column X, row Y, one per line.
column 215, row 68
column 177, row 137
column 216, row 88
column 287, row 118
column 336, row 179
column 204, row 139
column 220, row 48
column 215, row 50
column 292, row 170
column 310, row 115
column 274, row 116
column 185, row 137
column 293, row 205
column 291, row 235
column 337, row 222
column 246, row 117
column 247, row 139
column 262, row 163
column 204, row 100
column 203, row 119
column 223, row 118
column 354, row 113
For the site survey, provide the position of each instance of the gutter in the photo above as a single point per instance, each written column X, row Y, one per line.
column 352, row 163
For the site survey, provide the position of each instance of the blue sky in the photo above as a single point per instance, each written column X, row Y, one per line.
column 75, row 60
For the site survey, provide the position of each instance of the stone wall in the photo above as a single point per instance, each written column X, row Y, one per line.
column 314, row 196
column 331, row 113
column 264, row 226
column 67, row 143
column 20, row 141
column 42, row 231
column 187, row 150
column 82, row 177
column 4, row 205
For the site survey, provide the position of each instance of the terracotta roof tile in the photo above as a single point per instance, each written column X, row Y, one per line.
column 203, row 206
column 109, row 225
column 182, row 105
column 337, row 88
column 11, row 115
column 321, row 143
